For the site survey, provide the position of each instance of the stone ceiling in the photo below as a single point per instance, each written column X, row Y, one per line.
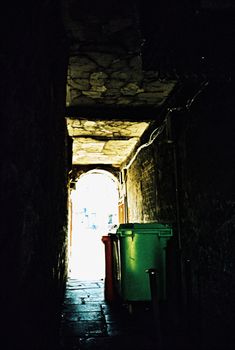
column 105, row 71
column 103, row 141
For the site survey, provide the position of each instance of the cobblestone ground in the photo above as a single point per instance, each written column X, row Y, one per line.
column 89, row 322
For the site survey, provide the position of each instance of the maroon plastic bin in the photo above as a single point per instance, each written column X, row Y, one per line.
column 109, row 285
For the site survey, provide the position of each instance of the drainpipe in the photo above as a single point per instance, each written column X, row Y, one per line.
column 172, row 140
column 125, row 196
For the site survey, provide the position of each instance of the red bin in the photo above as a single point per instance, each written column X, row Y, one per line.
column 109, row 283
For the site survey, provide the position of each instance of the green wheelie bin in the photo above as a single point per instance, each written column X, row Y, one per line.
column 142, row 247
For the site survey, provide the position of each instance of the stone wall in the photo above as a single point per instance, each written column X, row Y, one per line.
column 141, row 189
column 150, row 182
column 105, row 66
column 33, row 177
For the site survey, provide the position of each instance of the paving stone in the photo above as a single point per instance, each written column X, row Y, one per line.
column 89, row 316
column 82, row 307
column 83, row 328
column 82, row 316
column 98, row 325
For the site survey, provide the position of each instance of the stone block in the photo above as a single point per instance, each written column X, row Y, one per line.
column 79, row 84
column 158, row 86
column 124, row 101
column 97, row 76
column 92, row 94
column 115, row 84
column 119, row 64
column 97, row 80
column 120, row 75
column 82, row 63
column 102, row 59
column 131, row 89
column 81, row 99
column 98, row 88
column 113, row 93
column 74, row 93
column 148, row 96
column 75, row 73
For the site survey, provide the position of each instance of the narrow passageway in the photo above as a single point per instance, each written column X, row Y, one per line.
column 89, row 322
column 89, row 319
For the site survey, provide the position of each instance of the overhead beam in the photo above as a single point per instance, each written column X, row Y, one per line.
column 105, row 138
column 128, row 113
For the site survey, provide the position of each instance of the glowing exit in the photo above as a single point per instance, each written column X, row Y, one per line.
column 94, row 213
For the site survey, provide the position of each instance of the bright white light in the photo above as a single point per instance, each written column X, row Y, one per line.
column 95, row 210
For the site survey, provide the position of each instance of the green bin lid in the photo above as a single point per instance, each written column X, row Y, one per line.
column 142, row 228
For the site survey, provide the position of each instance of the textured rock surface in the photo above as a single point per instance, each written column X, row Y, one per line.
column 104, row 142
column 108, row 70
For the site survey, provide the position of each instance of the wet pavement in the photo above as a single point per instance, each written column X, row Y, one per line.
column 89, row 322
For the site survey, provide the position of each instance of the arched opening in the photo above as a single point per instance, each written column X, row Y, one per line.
column 94, row 209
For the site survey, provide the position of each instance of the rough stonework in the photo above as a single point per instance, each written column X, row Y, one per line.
column 128, row 85
column 105, row 64
column 104, row 142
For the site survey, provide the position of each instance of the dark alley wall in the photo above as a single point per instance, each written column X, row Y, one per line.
column 200, row 163
column 33, row 177
column 207, row 199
